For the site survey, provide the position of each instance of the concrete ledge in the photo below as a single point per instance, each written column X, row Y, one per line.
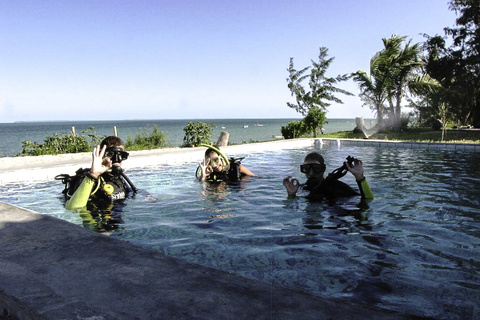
column 51, row 269
column 45, row 168
column 398, row 144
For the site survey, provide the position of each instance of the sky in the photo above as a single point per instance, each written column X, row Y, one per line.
column 189, row 59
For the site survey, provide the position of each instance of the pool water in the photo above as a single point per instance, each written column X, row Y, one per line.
column 414, row 249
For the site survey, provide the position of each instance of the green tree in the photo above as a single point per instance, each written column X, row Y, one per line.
column 197, row 133
column 322, row 88
column 314, row 120
column 457, row 67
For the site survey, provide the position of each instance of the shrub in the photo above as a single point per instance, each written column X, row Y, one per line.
column 60, row 143
column 145, row 141
column 197, row 133
column 293, row 129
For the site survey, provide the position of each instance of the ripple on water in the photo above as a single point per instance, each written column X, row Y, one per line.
column 415, row 248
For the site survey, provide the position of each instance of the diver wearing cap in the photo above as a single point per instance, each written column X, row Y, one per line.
column 216, row 167
column 104, row 182
column 330, row 187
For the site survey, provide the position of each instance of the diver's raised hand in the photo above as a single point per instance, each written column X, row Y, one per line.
column 206, row 169
column 292, row 185
column 99, row 163
column 356, row 169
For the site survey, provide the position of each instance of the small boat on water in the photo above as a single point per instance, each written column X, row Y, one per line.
column 245, row 125
column 259, row 125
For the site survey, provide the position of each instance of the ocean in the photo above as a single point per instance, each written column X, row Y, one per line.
column 240, row 130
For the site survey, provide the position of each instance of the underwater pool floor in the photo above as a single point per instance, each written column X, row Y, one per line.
column 52, row 269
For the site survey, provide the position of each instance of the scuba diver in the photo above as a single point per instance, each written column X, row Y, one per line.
column 330, row 187
column 98, row 187
column 216, row 167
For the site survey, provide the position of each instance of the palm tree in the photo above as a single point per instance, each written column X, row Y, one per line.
column 372, row 88
column 405, row 65
column 394, row 72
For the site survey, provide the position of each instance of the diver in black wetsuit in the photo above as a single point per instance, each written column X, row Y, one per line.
column 103, row 183
column 330, row 187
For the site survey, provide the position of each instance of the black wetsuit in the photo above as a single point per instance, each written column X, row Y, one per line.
column 330, row 189
column 102, row 199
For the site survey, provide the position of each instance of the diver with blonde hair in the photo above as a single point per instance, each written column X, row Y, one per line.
column 216, row 167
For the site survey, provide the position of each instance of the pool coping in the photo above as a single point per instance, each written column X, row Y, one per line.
column 45, row 168
column 52, row 269
column 400, row 144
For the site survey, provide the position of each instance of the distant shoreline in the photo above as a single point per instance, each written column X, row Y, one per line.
column 173, row 119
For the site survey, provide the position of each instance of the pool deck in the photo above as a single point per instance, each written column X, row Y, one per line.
column 52, row 269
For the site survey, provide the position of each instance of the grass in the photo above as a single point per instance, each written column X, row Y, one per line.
column 415, row 135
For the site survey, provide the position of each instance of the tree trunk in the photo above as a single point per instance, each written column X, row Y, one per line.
column 397, row 124
column 223, row 139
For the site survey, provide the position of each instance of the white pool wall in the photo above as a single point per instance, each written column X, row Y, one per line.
column 45, row 168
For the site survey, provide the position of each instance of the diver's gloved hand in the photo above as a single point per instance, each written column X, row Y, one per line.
column 356, row 169
column 292, row 185
column 100, row 164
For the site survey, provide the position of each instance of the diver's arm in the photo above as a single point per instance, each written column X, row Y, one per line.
column 244, row 171
column 81, row 195
column 365, row 189
column 357, row 170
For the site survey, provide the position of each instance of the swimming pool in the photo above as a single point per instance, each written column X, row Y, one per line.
column 414, row 250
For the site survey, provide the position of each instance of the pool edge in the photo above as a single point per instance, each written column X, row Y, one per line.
column 52, row 269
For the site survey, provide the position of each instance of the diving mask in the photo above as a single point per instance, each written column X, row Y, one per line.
column 116, row 154
column 316, row 167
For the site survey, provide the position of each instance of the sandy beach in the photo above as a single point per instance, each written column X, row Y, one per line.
column 45, row 168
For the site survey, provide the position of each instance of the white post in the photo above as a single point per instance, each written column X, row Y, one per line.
column 115, row 131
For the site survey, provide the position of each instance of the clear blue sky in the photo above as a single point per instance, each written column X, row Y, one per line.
column 188, row 59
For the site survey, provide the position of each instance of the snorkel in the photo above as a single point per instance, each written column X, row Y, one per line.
column 216, row 150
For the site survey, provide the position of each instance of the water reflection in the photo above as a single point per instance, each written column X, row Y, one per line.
column 104, row 221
